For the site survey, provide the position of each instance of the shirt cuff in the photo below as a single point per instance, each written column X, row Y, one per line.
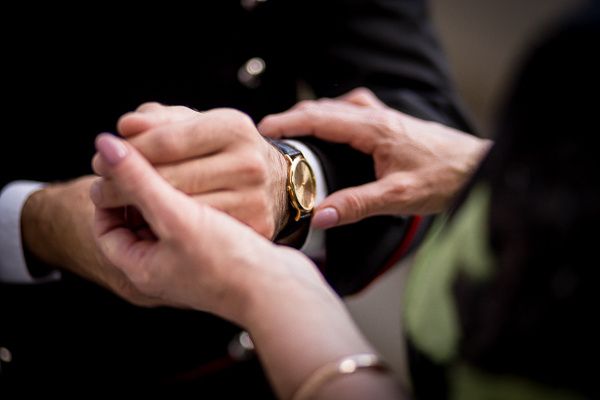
column 314, row 246
column 13, row 267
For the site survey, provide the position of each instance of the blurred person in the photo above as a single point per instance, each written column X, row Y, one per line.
column 499, row 303
column 68, row 78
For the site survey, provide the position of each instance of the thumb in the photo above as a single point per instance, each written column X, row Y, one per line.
column 350, row 205
column 163, row 207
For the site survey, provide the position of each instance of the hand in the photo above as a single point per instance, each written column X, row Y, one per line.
column 197, row 256
column 206, row 260
column 419, row 165
column 57, row 230
column 218, row 157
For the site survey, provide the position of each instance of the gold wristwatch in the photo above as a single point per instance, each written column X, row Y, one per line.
column 301, row 191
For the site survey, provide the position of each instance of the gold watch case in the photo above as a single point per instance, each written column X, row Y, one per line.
column 301, row 186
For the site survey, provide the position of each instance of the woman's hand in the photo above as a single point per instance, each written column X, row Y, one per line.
column 194, row 256
column 197, row 257
column 419, row 165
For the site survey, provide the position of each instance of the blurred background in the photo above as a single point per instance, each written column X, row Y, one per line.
column 484, row 41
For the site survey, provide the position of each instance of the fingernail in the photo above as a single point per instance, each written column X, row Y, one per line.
column 95, row 192
column 325, row 218
column 113, row 150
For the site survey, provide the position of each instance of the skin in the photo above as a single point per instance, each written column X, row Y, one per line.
column 285, row 304
column 296, row 321
column 230, row 167
column 419, row 165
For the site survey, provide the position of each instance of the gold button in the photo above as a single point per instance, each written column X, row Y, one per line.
column 241, row 347
column 251, row 4
column 249, row 73
column 5, row 355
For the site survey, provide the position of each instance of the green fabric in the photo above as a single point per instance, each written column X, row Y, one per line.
column 430, row 317
column 471, row 384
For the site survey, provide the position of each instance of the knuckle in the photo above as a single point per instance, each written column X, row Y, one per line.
column 363, row 93
column 239, row 123
column 355, row 206
column 400, row 191
column 182, row 110
column 254, row 168
column 149, row 106
column 167, row 141
column 324, row 101
column 385, row 122
column 304, row 104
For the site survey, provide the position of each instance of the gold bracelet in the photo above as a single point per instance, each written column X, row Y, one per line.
column 345, row 366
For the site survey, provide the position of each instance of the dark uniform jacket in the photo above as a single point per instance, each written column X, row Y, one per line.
column 69, row 74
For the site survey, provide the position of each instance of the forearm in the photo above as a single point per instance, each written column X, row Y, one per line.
column 297, row 328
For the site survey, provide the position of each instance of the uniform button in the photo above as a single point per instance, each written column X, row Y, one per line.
column 5, row 355
column 251, row 4
column 241, row 347
column 249, row 73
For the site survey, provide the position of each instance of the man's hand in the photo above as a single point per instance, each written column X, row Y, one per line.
column 218, row 157
column 57, row 230
column 197, row 257
column 419, row 165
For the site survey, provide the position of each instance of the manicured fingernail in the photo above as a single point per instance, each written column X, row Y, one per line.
column 95, row 192
column 325, row 218
column 113, row 150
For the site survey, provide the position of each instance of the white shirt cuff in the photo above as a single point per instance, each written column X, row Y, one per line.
column 13, row 268
column 314, row 246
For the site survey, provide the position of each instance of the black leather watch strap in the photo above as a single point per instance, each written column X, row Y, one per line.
column 294, row 232
column 284, row 148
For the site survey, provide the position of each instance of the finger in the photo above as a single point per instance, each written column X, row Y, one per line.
column 350, row 205
column 349, row 125
column 150, row 115
column 164, row 208
column 98, row 165
column 362, row 97
column 196, row 176
column 219, row 172
column 195, row 137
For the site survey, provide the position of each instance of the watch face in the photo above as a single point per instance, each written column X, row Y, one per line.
column 303, row 183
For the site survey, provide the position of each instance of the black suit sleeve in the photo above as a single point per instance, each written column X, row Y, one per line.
column 389, row 47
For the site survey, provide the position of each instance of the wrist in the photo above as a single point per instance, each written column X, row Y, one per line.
column 300, row 192
column 36, row 228
column 278, row 184
column 288, row 276
column 52, row 218
column 295, row 315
